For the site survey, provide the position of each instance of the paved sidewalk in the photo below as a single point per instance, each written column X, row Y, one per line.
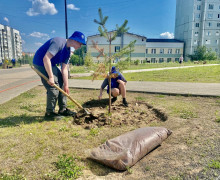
column 172, row 88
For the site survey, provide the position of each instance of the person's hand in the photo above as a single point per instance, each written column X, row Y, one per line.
column 66, row 89
column 100, row 97
column 51, row 81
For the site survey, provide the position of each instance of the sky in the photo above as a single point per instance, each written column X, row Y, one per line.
column 40, row 20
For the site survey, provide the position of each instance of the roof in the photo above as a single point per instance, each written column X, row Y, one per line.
column 164, row 40
column 125, row 33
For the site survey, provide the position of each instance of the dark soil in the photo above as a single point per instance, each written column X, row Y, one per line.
column 137, row 114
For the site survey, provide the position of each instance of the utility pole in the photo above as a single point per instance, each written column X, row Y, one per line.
column 66, row 25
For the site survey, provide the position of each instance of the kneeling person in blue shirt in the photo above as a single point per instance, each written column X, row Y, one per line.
column 56, row 51
column 118, row 86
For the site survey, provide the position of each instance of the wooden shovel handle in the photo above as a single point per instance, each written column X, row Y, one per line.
column 57, row 87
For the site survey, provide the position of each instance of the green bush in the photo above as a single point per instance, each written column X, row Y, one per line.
column 136, row 62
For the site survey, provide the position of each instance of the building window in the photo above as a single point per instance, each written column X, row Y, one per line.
column 218, row 15
column 161, row 51
column 198, row 7
column 195, row 42
column 208, row 33
column 194, row 50
column 153, row 51
column 117, row 48
column 197, row 16
column 207, row 41
column 197, row 24
column 196, row 33
column 211, row 6
column 168, row 59
column 218, row 24
column 216, row 41
column 146, row 51
column 153, row 60
column 217, row 33
column 161, row 60
column 169, row 51
column 177, row 51
column 210, row 16
column 209, row 24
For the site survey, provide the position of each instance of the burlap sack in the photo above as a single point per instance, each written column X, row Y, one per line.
column 125, row 150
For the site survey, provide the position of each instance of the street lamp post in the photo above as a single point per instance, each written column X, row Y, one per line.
column 66, row 25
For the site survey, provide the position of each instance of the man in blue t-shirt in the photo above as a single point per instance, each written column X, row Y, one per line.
column 56, row 51
column 118, row 83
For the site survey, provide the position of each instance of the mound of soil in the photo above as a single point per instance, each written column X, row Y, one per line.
column 136, row 114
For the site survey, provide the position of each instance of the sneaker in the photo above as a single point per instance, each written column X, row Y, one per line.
column 52, row 116
column 113, row 99
column 66, row 112
column 125, row 103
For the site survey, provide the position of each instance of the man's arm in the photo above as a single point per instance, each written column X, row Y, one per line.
column 104, row 84
column 121, row 77
column 64, row 71
column 47, row 64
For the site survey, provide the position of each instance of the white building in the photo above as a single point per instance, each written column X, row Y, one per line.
column 120, row 42
column 163, row 50
column 198, row 24
column 10, row 43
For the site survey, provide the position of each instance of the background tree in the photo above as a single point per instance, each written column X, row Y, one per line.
column 80, row 53
column 110, row 36
column 202, row 53
column 88, row 62
column 75, row 60
column 211, row 55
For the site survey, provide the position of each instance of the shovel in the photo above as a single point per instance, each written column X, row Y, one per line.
column 62, row 91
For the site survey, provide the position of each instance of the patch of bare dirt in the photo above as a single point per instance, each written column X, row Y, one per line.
column 137, row 114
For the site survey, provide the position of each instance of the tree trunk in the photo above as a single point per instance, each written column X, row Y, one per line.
column 110, row 73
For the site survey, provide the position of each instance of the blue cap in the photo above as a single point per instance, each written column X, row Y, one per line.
column 79, row 37
column 114, row 69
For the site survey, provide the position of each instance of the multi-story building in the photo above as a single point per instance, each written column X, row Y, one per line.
column 10, row 43
column 120, row 42
column 198, row 24
column 163, row 50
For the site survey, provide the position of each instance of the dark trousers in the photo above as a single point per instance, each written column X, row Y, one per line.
column 53, row 94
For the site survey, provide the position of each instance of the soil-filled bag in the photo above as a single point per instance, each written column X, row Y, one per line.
column 125, row 150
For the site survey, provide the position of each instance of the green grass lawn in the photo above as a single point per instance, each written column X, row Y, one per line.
column 202, row 74
column 83, row 69
column 206, row 74
column 32, row 148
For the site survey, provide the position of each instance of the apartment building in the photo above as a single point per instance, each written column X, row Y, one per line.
column 163, row 50
column 198, row 24
column 120, row 42
column 10, row 43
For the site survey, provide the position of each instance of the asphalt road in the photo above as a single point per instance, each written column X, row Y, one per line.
column 15, row 81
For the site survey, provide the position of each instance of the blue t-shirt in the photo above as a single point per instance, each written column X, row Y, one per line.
column 114, row 83
column 57, row 47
